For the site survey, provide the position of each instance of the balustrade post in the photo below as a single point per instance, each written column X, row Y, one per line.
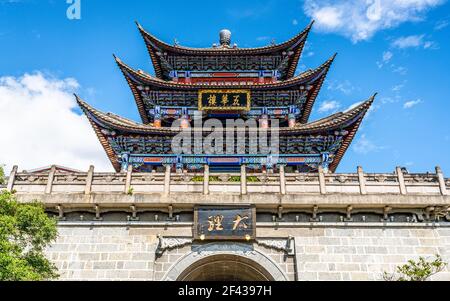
column 167, row 180
column 441, row 180
column 51, row 177
column 401, row 181
column 243, row 179
column 322, row 184
column 362, row 181
column 282, row 180
column 89, row 179
column 206, row 180
column 12, row 178
column 128, row 180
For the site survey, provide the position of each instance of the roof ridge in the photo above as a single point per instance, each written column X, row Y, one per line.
column 303, row 33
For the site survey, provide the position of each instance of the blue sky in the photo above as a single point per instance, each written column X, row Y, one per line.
column 399, row 50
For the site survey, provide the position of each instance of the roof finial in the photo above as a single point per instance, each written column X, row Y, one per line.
column 138, row 25
column 225, row 37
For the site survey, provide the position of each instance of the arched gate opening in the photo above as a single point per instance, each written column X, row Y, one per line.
column 225, row 262
column 225, row 267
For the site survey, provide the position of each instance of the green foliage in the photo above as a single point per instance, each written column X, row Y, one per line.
column 25, row 231
column 2, row 176
column 250, row 179
column 234, row 179
column 130, row 191
column 420, row 270
column 197, row 179
column 253, row 179
column 200, row 179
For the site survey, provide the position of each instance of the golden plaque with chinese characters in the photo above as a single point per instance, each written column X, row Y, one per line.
column 224, row 100
column 225, row 223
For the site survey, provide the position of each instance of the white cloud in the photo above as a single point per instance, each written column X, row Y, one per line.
column 387, row 56
column 430, row 45
column 398, row 87
column 40, row 127
column 345, row 87
column 364, row 146
column 308, row 50
column 441, row 24
column 400, row 70
column 413, row 41
column 412, row 103
column 328, row 16
column 360, row 20
column 329, row 106
column 295, row 22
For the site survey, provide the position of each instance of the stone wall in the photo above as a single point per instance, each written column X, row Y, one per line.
column 364, row 253
column 321, row 253
column 103, row 254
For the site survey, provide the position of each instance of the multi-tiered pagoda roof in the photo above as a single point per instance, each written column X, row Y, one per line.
column 264, row 87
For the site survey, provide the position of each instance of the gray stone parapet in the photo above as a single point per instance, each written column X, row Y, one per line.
column 291, row 190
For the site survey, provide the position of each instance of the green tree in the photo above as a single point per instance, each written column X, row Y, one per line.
column 2, row 175
column 420, row 270
column 25, row 231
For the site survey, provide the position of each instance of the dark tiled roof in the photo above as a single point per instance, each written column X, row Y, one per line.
column 296, row 44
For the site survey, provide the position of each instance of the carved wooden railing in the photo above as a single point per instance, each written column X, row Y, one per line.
column 243, row 183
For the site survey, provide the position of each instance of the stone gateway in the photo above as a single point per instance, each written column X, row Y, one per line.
column 275, row 214
column 325, row 227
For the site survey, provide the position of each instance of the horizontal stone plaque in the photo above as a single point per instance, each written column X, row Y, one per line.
column 225, row 223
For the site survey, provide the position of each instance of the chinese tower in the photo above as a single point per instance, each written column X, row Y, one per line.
column 226, row 82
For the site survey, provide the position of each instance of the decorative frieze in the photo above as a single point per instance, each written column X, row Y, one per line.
column 284, row 245
column 171, row 243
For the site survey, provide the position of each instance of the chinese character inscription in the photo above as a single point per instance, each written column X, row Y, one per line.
column 224, row 100
column 225, row 223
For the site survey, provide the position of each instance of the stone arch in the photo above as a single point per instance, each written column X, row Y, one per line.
column 257, row 266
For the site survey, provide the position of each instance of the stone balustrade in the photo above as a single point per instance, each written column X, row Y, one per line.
column 413, row 197
column 321, row 183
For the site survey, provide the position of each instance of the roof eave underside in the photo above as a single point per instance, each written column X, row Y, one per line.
column 335, row 121
column 316, row 76
column 302, row 78
column 349, row 120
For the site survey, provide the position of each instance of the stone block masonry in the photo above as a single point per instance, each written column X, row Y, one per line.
column 332, row 253
column 103, row 253
column 365, row 253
